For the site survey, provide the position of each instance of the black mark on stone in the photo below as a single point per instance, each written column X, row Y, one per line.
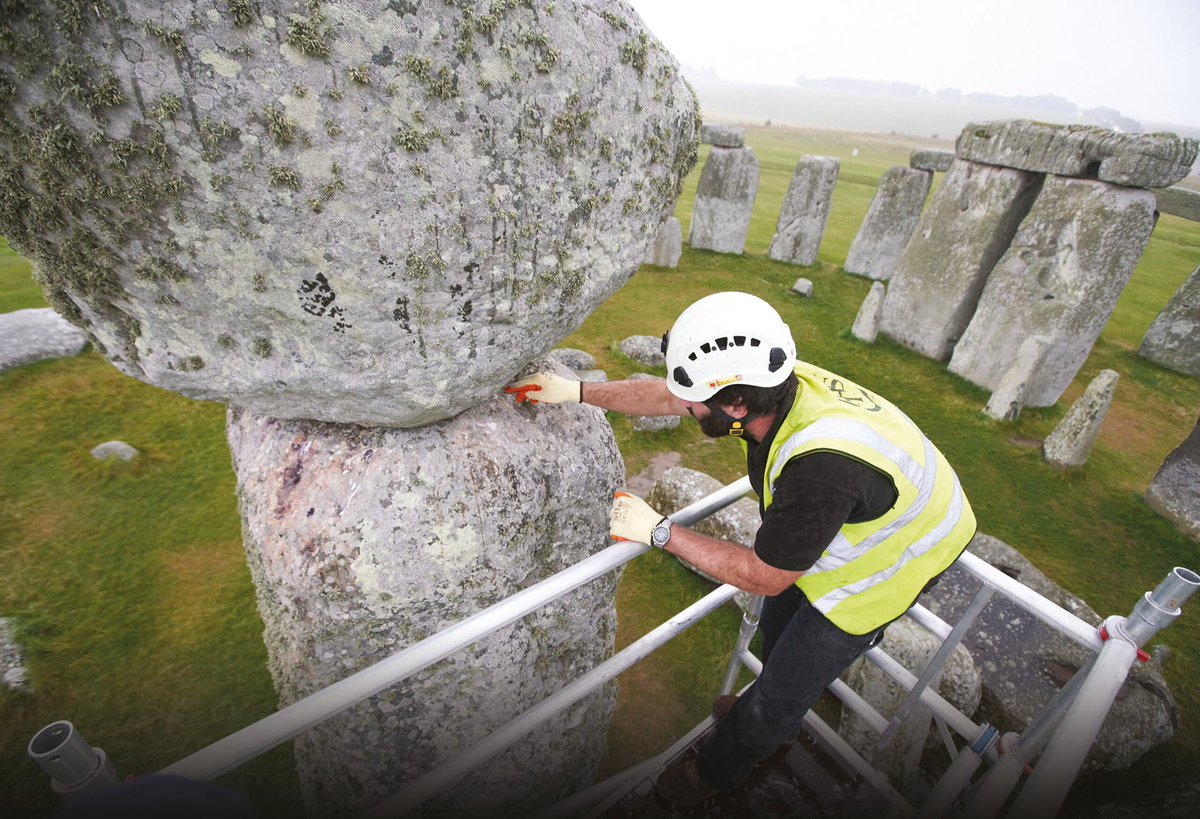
column 384, row 57
column 402, row 7
column 316, row 299
column 465, row 310
column 400, row 314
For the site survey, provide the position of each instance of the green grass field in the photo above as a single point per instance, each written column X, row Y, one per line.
column 130, row 591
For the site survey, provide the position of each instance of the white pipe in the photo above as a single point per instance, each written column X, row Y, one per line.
column 226, row 754
column 1058, row 766
column 852, row 700
column 953, row 717
column 997, row 785
column 931, row 622
column 1045, row 610
column 450, row 772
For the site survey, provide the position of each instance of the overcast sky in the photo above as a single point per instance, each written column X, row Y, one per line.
column 1141, row 57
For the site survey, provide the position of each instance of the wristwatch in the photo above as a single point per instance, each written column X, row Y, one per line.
column 661, row 533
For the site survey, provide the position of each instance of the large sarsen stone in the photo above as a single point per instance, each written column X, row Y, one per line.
column 1173, row 340
column 364, row 541
column 364, row 211
column 724, row 200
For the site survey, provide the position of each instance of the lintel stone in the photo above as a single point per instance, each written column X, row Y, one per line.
column 930, row 159
column 1178, row 201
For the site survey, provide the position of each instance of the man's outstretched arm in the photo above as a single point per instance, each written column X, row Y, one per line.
column 629, row 397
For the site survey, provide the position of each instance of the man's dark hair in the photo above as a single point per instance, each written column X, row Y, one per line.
column 756, row 400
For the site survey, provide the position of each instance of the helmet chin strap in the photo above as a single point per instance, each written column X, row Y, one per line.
column 734, row 427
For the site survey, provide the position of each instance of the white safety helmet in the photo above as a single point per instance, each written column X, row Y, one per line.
column 727, row 338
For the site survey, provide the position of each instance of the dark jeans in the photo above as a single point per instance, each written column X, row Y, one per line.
column 803, row 653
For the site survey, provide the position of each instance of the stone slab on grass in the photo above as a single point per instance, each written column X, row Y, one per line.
column 805, row 211
column 724, row 199
column 37, row 334
column 1069, row 445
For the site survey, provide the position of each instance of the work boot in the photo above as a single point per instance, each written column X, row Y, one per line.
column 681, row 784
column 722, row 705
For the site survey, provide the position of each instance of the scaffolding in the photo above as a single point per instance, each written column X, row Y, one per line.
column 1058, row 739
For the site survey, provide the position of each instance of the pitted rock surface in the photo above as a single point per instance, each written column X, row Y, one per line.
column 362, row 541
column 37, row 334
column 1173, row 340
column 1138, row 160
column 1060, row 278
column 889, row 223
column 1024, row 662
column 944, row 266
column 359, row 212
column 805, row 211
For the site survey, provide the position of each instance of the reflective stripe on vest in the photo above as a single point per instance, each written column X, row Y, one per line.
column 930, row 525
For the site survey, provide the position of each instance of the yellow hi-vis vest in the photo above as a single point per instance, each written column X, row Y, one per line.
column 872, row 572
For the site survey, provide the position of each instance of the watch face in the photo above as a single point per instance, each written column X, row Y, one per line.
column 661, row 534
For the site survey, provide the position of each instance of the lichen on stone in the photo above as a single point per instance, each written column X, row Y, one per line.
column 282, row 176
column 310, row 35
column 281, row 127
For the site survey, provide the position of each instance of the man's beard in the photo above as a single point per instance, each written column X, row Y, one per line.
column 713, row 427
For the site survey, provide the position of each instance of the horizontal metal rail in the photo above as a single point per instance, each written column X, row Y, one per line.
column 240, row 747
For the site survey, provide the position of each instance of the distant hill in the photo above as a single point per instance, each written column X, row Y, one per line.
column 892, row 108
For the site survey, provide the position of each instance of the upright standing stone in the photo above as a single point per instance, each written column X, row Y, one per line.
column 889, row 223
column 866, row 323
column 805, row 211
column 1009, row 398
column 960, row 237
column 1087, row 151
column 668, row 245
column 1071, row 442
column 1061, row 279
column 723, row 136
column 1175, row 491
column 1173, row 340
column 724, row 199
column 360, row 212
column 363, row 541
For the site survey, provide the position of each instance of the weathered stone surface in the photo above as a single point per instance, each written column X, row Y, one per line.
column 1069, row 445
column 668, row 245
column 679, row 487
column 1173, row 340
column 1007, row 401
column 1182, row 202
column 1175, row 491
column 362, row 541
column 723, row 136
column 1024, row 662
column 943, row 268
column 930, row 159
column 805, row 211
column 114, row 450
column 37, row 334
column 889, row 223
column 645, row 350
column 724, row 199
column 1140, row 160
column 1060, row 278
column 866, row 323
column 913, row 647
column 573, row 359
column 803, row 287
column 653, row 423
column 357, row 212
column 592, row 376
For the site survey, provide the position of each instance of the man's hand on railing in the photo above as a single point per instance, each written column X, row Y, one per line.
column 632, row 518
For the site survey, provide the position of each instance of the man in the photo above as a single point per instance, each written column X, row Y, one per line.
column 860, row 512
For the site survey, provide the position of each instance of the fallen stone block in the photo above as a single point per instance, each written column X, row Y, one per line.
column 889, row 223
column 805, row 211
column 1060, row 278
column 37, row 334
column 114, row 450
column 1087, row 151
column 803, row 288
column 724, row 199
column 1069, row 445
column 1173, row 340
column 14, row 675
column 1175, row 491
column 931, row 159
column 573, row 359
column 645, row 350
column 961, row 235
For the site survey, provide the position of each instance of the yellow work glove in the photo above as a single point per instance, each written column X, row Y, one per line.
column 631, row 518
column 546, row 388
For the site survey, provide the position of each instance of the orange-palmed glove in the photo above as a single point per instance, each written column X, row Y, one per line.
column 545, row 388
column 631, row 518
